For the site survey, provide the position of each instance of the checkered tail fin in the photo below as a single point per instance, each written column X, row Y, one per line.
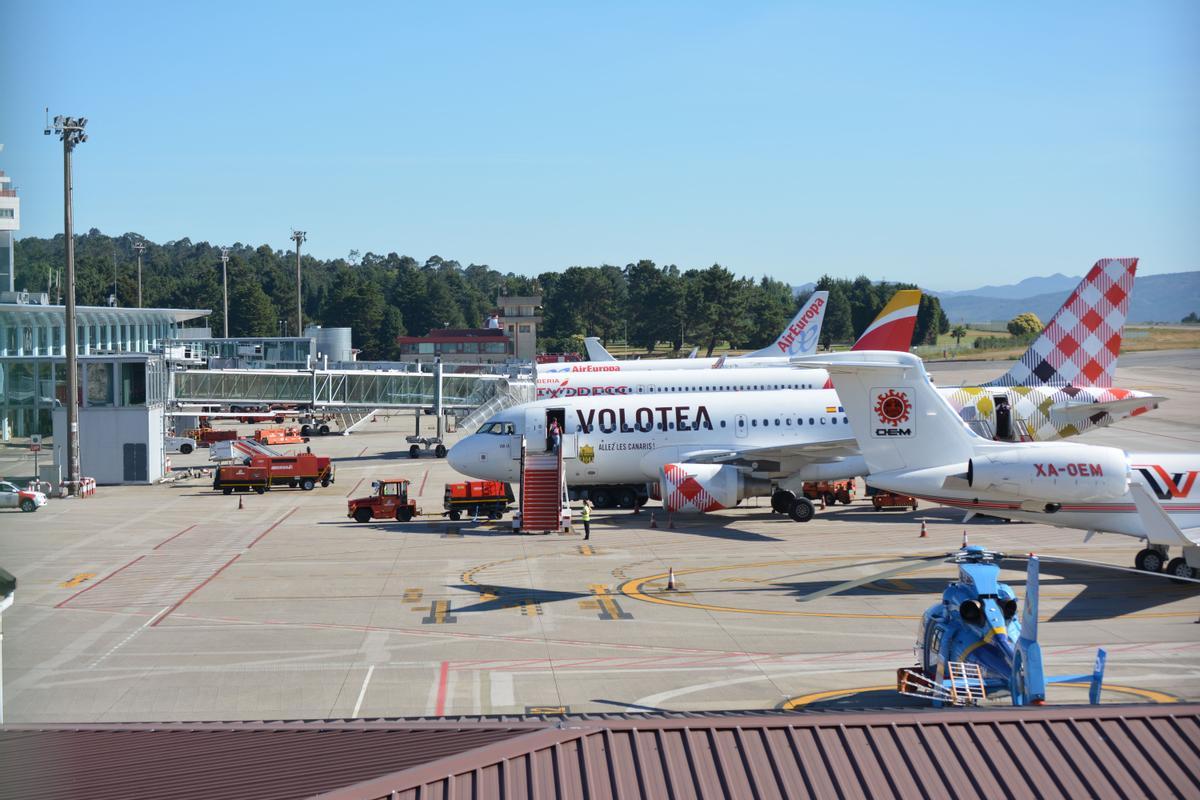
column 1079, row 346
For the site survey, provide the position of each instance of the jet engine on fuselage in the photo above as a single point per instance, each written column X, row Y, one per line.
column 1053, row 472
column 698, row 488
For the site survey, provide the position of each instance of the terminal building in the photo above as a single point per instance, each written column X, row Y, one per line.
column 10, row 223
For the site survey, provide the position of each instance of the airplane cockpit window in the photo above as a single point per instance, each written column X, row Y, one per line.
column 497, row 428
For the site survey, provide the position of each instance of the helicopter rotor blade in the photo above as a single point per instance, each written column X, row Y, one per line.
column 847, row 585
column 1085, row 563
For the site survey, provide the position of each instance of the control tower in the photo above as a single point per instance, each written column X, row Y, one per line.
column 10, row 223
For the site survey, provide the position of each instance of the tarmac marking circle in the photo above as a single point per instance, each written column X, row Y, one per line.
column 638, row 589
column 833, row 694
column 635, row 589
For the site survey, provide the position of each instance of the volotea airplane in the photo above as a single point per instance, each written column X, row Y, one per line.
column 697, row 451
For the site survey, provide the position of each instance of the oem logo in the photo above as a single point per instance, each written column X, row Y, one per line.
column 587, row 454
column 893, row 408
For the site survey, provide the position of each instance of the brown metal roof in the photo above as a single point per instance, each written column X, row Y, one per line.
column 1069, row 752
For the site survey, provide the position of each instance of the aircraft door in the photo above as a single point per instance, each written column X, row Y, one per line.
column 740, row 424
column 1004, row 421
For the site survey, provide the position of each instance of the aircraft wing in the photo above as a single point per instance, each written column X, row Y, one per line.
column 765, row 457
column 1077, row 412
column 1160, row 528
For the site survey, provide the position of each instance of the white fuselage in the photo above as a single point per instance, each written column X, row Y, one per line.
column 562, row 385
column 627, row 439
column 1171, row 478
column 624, row 367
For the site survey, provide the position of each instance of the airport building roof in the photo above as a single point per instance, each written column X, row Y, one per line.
column 1063, row 751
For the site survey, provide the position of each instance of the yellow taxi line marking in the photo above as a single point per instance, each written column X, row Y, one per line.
column 608, row 606
column 77, row 579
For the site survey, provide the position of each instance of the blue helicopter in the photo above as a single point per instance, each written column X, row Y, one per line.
column 972, row 643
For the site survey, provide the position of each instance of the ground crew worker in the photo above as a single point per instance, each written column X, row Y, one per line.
column 585, row 516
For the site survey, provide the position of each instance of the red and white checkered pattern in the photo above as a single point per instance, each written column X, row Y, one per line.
column 683, row 491
column 1080, row 344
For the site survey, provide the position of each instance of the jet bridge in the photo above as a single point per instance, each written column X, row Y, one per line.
column 324, row 388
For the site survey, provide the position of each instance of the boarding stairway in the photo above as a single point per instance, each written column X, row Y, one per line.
column 543, row 493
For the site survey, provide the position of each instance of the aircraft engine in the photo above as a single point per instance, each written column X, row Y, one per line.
column 692, row 488
column 1055, row 474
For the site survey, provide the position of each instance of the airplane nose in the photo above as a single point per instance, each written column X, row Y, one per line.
column 458, row 457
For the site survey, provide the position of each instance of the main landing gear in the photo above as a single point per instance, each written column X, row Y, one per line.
column 1152, row 559
column 800, row 508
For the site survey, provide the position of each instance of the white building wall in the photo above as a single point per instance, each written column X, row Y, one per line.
column 103, row 434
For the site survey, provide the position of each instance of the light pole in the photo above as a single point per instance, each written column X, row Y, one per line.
column 225, row 286
column 139, row 248
column 298, row 237
column 70, row 131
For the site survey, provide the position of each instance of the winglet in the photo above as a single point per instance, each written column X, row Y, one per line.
column 595, row 350
column 1079, row 346
column 1028, row 680
column 801, row 334
column 893, row 328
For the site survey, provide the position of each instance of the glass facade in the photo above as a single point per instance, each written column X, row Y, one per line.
column 33, row 371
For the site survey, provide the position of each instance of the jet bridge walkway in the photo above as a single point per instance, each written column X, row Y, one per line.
column 347, row 389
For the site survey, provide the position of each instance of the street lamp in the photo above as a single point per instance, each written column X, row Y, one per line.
column 298, row 237
column 139, row 248
column 225, row 286
column 70, row 131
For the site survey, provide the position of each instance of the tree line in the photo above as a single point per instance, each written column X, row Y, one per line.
column 385, row 296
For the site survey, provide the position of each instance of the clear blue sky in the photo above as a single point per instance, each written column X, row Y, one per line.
column 948, row 143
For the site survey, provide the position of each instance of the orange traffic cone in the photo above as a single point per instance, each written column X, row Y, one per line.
column 924, row 533
column 653, row 522
column 671, row 521
column 964, row 544
column 823, row 506
column 240, row 505
column 671, row 579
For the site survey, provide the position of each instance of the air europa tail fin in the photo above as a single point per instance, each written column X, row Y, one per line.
column 893, row 327
column 800, row 336
column 1080, row 344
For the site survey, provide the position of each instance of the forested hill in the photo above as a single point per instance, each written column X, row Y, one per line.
column 384, row 296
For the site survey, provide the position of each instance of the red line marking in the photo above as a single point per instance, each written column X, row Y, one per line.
column 444, row 673
column 97, row 583
column 421, row 491
column 181, row 533
column 355, row 489
column 171, row 610
column 360, row 452
column 274, row 525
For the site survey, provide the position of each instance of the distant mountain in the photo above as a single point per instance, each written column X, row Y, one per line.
column 1156, row 298
column 1030, row 287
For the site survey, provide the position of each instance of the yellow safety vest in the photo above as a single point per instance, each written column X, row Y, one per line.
column 586, row 516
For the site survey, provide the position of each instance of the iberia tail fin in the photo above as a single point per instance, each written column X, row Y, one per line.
column 1079, row 346
column 800, row 336
column 893, row 328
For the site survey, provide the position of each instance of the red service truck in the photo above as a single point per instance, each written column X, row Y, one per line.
column 260, row 473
